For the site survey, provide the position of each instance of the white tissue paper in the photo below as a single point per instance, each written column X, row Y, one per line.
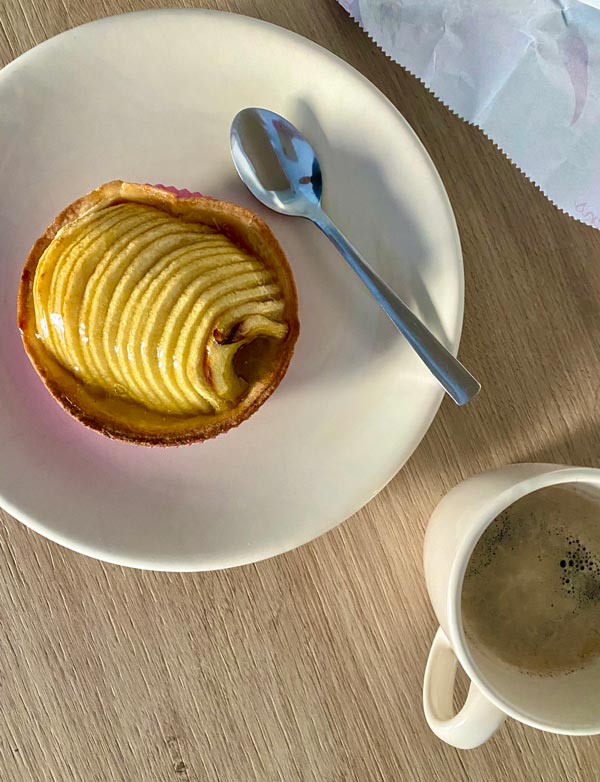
column 527, row 72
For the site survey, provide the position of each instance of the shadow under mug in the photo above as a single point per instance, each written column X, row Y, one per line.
column 566, row 703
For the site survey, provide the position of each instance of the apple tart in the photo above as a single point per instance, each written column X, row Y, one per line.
column 156, row 317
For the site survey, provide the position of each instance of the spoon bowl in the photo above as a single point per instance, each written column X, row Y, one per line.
column 276, row 163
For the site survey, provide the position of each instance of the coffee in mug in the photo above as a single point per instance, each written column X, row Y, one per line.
column 531, row 591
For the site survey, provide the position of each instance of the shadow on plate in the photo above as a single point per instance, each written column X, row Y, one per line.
column 358, row 198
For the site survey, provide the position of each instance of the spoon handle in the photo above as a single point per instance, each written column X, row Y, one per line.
column 450, row 373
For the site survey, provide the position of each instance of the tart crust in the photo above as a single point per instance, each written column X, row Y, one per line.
column 126, row 420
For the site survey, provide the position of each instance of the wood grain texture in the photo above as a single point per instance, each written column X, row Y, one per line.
column 309, row 666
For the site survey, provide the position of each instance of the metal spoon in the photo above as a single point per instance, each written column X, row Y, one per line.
column 279, row 167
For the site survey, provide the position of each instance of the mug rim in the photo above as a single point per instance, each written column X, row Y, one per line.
column 554, row 476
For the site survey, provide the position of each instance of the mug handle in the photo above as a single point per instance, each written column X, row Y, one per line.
column 476, row 721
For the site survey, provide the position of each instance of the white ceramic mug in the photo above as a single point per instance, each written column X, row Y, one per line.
column 569, row 703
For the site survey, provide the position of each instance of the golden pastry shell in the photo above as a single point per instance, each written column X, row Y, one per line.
column 128, row 421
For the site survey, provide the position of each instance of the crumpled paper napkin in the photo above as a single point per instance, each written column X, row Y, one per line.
column 527, row 72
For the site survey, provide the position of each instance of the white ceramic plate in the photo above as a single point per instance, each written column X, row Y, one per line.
column 149, row 97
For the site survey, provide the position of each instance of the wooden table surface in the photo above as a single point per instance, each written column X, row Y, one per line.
column 309, row 666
